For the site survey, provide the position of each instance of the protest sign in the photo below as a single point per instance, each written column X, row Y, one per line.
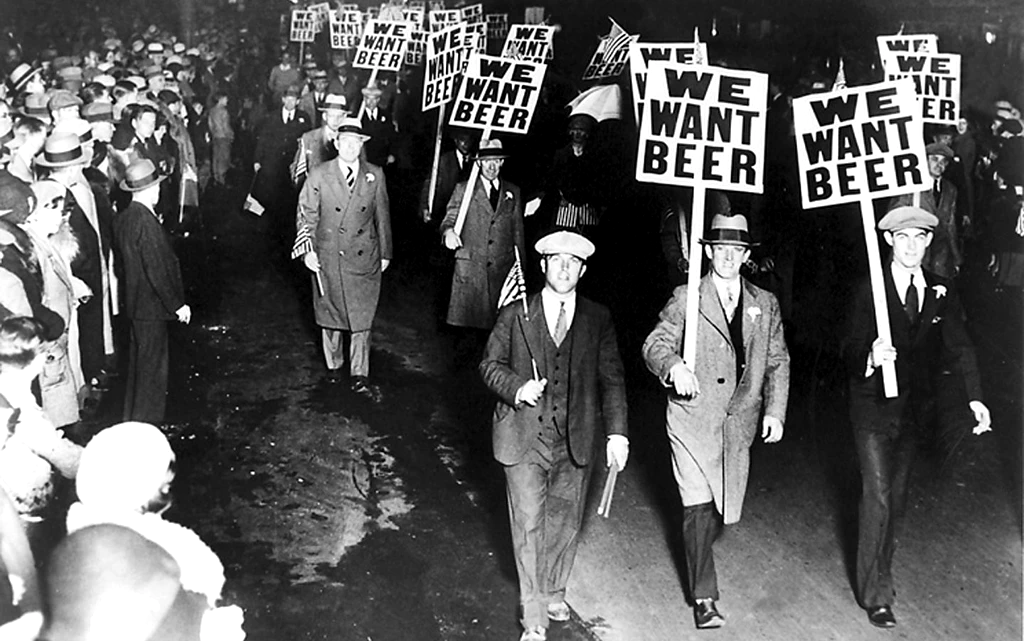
column 529, row 42
column 446, row 59
column 533, row 15
column 610, row 58
column 860, row 142
column 415, row 16
column 473, row 14
column 475, row 39
column 497, row 25
column 346, row 29
column 303, row 27
column 498, row 94
column 936, row 79
column 322, row 11
column 704, row 126
column 854, row 145
column 383, row 45
column 440, row 19
column 391, row 12
column 641, row 54
column 416, row 50
column 919, row 43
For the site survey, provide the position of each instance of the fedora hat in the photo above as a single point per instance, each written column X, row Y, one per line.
column 729, row 230
column 352, row 127
column 372, row 91
column 62, row 149
column 490, row 149
column 20, row 76
column 140, row 174
column 334, row 101
column 36, row 107
column 77, row 126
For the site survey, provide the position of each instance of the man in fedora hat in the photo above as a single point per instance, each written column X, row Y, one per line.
column 344, row 237
column 928, row 334
column 379, row 127
column 153, row 292
column 554, row 364
column 485, row 248
column 741, row 372
column 317, row 146
column 944, row 256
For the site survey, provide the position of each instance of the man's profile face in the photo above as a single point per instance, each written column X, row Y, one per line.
column 562, row 271
column 908, row 246
column 726, row 260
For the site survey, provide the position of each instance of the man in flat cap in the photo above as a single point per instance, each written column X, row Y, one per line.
column 944, row 256
column 553, row 361
column 716, row 404
column 928, row 334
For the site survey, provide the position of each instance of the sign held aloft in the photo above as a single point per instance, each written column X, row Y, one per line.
column 303, row 27
column 642, row 54
column 498, row 94
column 529, row 42
column 936, row 79
column 383, row 45
column 446, row 59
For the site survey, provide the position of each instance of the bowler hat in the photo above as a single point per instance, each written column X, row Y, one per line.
column 729, row 230
column 908, row 217
column 565, row 242
column 141, row 174
column 62, row 149
column 352, row 127
column 490, row 149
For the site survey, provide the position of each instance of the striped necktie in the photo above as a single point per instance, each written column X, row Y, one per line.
column 350, row 178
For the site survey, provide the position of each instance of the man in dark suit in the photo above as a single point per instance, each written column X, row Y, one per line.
column 453, row 167
column 153, row 293
column 379, row 127
column 559, row 379
column 275, row 147
column 928, row 336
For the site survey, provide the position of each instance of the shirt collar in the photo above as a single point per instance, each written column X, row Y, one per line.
column 901, row 276
column 551, row 297
column 724, row 286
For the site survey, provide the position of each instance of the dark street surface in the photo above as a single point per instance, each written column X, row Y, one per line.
column 338, row 519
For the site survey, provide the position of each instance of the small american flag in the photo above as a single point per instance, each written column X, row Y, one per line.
column 514, row 287
column 616, row 39
column 840, row 81
column 303, row 240
column 300, row 166
column 253, row 205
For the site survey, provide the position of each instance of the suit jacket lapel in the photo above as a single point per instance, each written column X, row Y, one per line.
column 337, row 183
column 749, row 299
column 532, row 329
column 711, row 307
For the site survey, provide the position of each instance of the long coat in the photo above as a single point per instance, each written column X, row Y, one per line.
column 597, row 389
column 153, row 288
column 489, row 238
column 316, row 148
column 351, row 235
column 718, row 426
column 939, row 342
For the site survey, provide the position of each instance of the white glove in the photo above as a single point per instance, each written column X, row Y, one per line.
column 617, row 451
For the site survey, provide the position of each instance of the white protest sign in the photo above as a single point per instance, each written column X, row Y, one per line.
column 498, row 94
column 446, row 58
column 346, row 29
column 303, row 27
column 703, row 126
column 476, row 37
column 372, row 12
column 440, row 19
column 529, row 42
column 416, row 50
column 936, row 78
column 859, row 142
column 641, row 54
column 610, row 58
column 416, row 15
column 497, row 25
column 391, row 12
column 920, row 42
column 382, row 45
column 473, row 14
column 322, row 10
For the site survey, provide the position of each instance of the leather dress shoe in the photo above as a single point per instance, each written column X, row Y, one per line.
column 558, row 611
column 706, row 615
column 334, row 375
column 363, row 387
column 882, row 617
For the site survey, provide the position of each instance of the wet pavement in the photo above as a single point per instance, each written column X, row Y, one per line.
column 339, row 519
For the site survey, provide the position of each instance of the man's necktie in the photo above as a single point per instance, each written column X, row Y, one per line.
column 494, row 197
column 730, row 304
column 287, row 117
column 561, row 326
column 936, row 193
column 350, row 178
column 910, row 304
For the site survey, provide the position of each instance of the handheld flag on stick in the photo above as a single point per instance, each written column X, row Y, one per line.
column 253, row 206
column 514, row 287
column 300, row 167
column 303, row 241
column 840, row 81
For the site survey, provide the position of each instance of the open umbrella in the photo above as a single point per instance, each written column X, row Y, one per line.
column 603, row 102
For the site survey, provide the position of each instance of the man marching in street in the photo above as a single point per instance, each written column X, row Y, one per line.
column 317, row 146
column 741, row 370
column 556, row 369
column 343, row 234
column 928, row 336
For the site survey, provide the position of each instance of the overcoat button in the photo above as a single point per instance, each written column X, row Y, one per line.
column 359, row 253
column 337, row 209
column 721, row 380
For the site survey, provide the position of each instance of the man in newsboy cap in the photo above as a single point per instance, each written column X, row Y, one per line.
column 553, row 361
column 925, row 317
column 716, row 404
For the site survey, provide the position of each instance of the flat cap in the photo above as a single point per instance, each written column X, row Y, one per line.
column 939, row 149
column 63, row 98
column 565, row 242
column 907, row 217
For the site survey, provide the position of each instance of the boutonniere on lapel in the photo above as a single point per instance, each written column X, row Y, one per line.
column 940, row 291
column 370, row 178
column 508, row 195
column 753, row 312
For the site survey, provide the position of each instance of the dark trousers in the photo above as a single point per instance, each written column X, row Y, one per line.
column 90, row 337
column 885, row 460
column 701, row 524
column 145, row 396
column 546, row 495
